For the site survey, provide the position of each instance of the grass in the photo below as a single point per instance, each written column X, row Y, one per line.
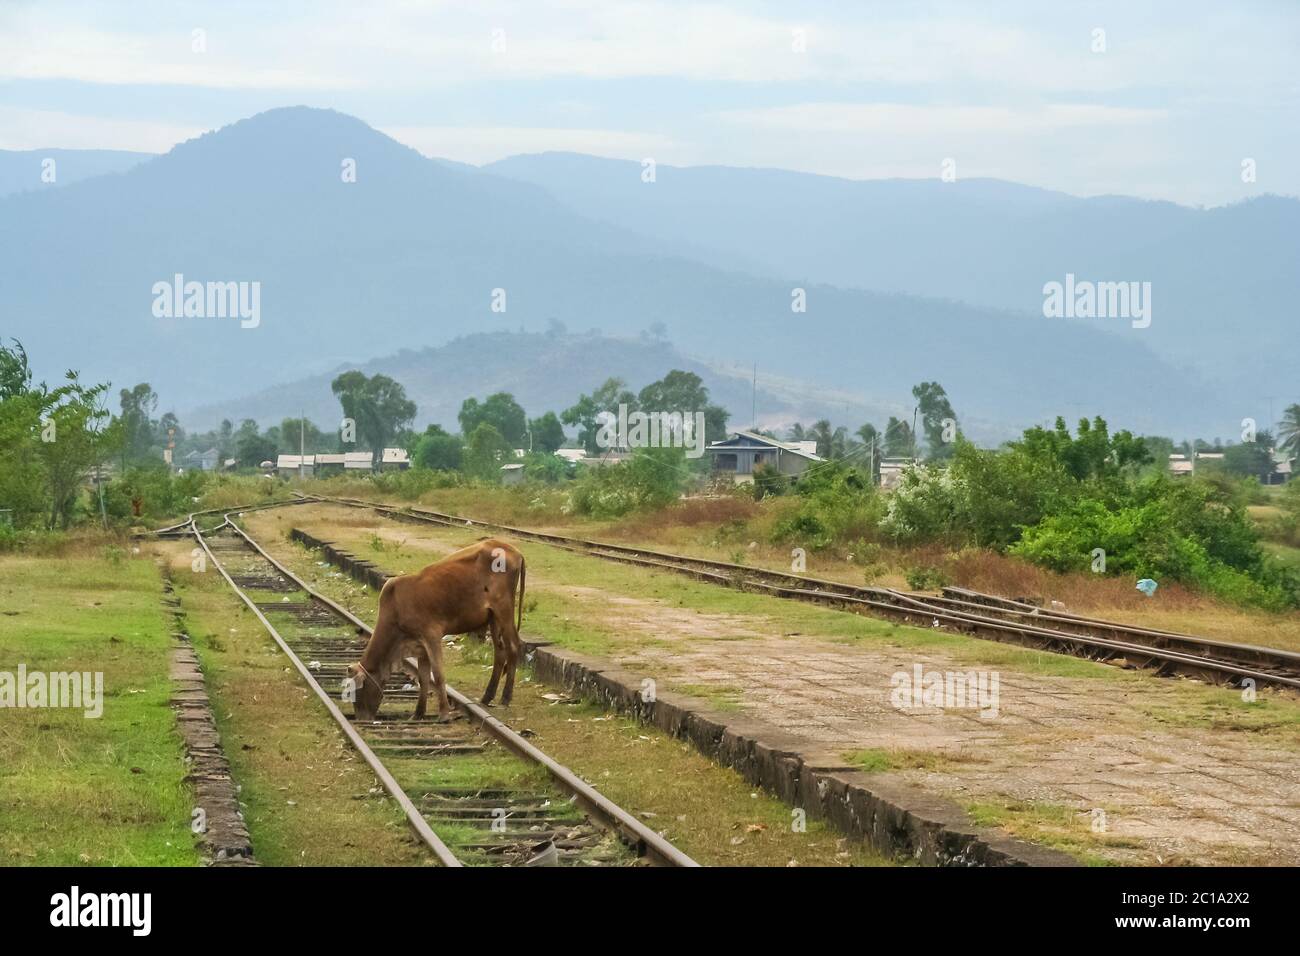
column 879, row 759
column 583, row 614
column 557, row 615
column 1050, row 824
column 308, row 798
column 707, row 810
column 79, row 791
column 723, row 699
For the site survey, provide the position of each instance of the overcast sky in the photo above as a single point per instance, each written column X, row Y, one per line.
column 1181, row 95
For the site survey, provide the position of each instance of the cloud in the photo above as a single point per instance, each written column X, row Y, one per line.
column 37, row 129
column 902, row 119
column 483, row 144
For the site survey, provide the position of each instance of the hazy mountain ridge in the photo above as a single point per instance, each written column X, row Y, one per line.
column 988, row 243
column 23, row 170
column 409, row 255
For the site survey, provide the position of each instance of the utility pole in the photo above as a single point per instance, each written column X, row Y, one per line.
column 302, row 444
column 753, row 400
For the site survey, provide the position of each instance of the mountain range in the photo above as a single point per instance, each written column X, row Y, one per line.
column 903, row 281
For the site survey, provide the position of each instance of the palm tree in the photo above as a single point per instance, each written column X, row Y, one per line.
column 1288, row 430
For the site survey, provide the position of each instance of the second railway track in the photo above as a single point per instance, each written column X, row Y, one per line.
column 969, row 612
column 474, row 791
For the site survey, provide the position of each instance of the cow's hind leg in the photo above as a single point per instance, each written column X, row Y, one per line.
column 422, row 674
column 498, row 660
column 512, row 647
column 432, row 643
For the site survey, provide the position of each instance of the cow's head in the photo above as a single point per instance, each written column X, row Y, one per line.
column 368, row 691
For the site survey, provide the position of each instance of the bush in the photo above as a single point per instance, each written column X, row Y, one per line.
column 1184, row 531
column 930, row 504
column 413, row 482
column 651, row 478
column 926, row 579
column 159, row 492
column 836, row 503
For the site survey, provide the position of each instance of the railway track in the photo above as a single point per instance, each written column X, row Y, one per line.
column 979, row 615
column 474, row 791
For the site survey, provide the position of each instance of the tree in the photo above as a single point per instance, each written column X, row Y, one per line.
column 22, row 478
column 1288, row 431
column 138, row 405
column 226, row 439
column 548, row 433
column 437, row 450
column 1094, row 453
column 486, row 450
column 546, row 467
column 1250, row 459
column 874, row 444
column 501, row 411
column 831, row 442
column 252, row 449
column 77, row 432
column 686, row 393
column 605, row 399
column 378, row 405
column 295, row 433
column 899, row 440
column 936, row 414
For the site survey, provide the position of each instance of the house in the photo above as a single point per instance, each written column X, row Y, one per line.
column 610, row 457
column 1283, row 468
column 512, row 474
column 1182, row 465
column 891, row 471
column 742, row 451
column 394, row 459
column 201, row 460
column 359, row 461
column 571, row 455
column 329, row 464
column 295, row 466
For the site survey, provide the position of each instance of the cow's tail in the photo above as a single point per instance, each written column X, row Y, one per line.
column 519, row 604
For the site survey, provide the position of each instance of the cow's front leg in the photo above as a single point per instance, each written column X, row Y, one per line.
column 422, row 675
column 432, row 643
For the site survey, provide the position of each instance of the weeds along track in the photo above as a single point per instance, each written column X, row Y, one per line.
column 474, row 791
column 969, row 612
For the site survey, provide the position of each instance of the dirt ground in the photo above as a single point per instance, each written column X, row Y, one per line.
column 1110, row 765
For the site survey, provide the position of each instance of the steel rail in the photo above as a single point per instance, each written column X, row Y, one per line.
column 183, row 526
column 413, row 815
column 978, row 599
column 645, row 840
column 893, row 603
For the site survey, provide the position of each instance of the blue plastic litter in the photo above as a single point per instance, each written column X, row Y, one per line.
column 1147, row 586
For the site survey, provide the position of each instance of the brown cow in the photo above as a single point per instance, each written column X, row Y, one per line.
column 470, row 590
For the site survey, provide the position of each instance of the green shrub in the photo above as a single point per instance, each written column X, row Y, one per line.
column 651, row 478
column 930, row 504
column 836, row 503
column 1187, row 531
column 926, row 578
